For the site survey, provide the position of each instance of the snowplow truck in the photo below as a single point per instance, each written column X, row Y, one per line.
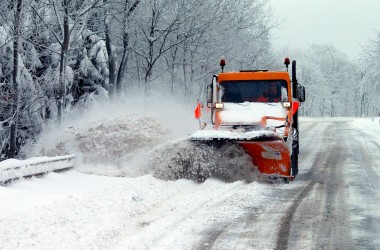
column 257, row 109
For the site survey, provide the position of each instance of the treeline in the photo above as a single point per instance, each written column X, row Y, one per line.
column 337, row 86
column 57, row 55
column 60, row 54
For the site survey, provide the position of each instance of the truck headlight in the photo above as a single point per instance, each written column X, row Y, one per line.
column 219, row 105
column 286, row 104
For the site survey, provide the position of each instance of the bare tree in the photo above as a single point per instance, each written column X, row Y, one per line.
column 155, row 36
column 244, row 40
column 117, row 74
column 15, row 92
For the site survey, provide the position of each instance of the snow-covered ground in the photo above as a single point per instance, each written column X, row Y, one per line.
column 113, row 199
column 79, row 211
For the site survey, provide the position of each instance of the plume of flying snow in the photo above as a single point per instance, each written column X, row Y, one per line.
column 139, row 136
column 199, row 161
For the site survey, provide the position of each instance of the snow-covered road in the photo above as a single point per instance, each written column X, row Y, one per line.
column 333, row 204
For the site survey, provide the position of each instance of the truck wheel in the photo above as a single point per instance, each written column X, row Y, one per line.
column 294, row 158
column 294, row 164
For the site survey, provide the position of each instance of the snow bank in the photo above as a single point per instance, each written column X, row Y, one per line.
column 107, row 147
column 370, row 126
column 14, row 163
column 13, row 169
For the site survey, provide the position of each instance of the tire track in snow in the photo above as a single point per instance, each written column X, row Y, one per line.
column 368, row 159
column 284, row 230
column 322, row 168
column 172, row 221
column 238, row 233
column 365, row 190
column 212, row 235
column 334, row 230
column 339, row 210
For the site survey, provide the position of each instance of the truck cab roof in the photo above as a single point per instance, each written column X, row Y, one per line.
column 253, row 75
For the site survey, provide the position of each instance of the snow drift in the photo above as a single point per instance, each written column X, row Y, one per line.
column 107, row 147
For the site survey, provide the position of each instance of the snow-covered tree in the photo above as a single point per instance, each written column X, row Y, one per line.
column 206, row 31
column 331, row 82
column 22, row 99
column 74, row 51
column 65, row 22
column 369, row 90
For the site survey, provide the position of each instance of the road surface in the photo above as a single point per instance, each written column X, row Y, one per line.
column 333, row 203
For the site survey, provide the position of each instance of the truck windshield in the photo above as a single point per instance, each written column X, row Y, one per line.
column 254, row 91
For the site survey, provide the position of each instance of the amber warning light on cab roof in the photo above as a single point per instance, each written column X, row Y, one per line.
column 222, row 63
column 287, row 62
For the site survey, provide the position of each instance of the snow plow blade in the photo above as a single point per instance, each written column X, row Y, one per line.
column 268, row 151
column 12, row 169
column 271, row 157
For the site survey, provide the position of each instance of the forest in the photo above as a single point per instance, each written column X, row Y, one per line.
column 62, row 55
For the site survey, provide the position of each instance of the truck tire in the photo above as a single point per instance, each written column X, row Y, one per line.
column 294, row 158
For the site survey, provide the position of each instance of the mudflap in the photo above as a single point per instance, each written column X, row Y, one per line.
column 271, row 157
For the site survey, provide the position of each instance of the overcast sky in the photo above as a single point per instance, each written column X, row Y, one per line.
column 345, row 24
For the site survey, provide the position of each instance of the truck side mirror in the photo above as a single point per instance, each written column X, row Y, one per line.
column 209, row 93
column 301, row 93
